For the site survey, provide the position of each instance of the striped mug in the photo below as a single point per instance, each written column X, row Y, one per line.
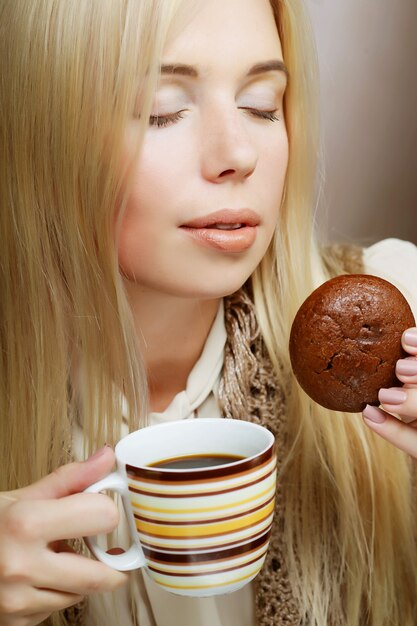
column 199, row 500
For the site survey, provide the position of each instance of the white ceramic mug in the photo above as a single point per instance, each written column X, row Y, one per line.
column 203, row 530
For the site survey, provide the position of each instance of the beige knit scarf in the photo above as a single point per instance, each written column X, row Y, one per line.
column 249, row 390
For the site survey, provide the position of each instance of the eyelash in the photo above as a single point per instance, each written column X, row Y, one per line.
column 166, row 120
column 264, row 115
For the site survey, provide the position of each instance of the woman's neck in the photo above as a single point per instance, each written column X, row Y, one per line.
column 171, row 332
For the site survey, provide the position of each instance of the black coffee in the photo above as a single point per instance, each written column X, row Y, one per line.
column 196, row 461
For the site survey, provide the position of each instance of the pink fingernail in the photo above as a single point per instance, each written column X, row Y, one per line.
column 373, row 414
column 115, row 551
column 392, row 396
column 406, row 367
column 99, row 453
column 410, row 337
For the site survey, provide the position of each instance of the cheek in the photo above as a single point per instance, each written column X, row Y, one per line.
column 274, row 170
column 277, row 155
column 132, row 222
column 153, row 186
column 157, row 178
column 134, row 233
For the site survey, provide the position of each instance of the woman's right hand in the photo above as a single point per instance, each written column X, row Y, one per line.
column 39, row 572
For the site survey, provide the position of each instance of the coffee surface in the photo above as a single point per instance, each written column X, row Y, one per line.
column 196, row 461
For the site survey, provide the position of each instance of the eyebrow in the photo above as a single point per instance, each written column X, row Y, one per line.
column 269, row 66
column 179, row 69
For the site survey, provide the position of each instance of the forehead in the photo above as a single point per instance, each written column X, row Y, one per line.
column 223, row 31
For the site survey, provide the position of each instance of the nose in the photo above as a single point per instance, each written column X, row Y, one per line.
column 228, row 153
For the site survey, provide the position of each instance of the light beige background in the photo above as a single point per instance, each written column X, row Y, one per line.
column 368, row 62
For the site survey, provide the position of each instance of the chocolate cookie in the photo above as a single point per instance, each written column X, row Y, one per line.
column 346, row 339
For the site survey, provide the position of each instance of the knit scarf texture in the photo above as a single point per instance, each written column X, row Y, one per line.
column 249, row 390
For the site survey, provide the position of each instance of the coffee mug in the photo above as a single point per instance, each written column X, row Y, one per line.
column 199, row 500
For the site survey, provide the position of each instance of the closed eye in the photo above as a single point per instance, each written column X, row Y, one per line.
column 164, row 120
column 160, row 121
column 265, row 115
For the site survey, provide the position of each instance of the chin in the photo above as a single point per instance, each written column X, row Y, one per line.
column 198, row 281
column 211, row 289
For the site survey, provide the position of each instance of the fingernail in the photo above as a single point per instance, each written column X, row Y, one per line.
column 373, row 414
column 115, row 551
column 410, row 337
column 99, row 453
column 392, row 396
column 406, row 367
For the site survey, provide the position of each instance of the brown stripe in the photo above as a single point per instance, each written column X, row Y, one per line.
column 219, row 547
column 200, row 494
column 194, row 480
column 204, row 521
column 206, row 573
column 156, row 474
column 207, row 557
column 230, row 532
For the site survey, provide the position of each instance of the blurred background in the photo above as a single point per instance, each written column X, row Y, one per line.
column 367, row 55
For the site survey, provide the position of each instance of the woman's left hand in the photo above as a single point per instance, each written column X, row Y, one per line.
column 402, row 401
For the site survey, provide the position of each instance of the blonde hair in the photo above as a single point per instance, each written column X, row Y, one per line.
column 349, row 507
column 72, row 73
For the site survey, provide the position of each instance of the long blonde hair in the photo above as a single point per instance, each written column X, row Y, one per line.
column 349, row 506
column 72, row 73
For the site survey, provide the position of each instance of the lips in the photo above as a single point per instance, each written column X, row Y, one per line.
column 228, row 230
column 226, row 218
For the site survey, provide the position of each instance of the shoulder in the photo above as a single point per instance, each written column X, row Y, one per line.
column 396, row 261
column 341, row 259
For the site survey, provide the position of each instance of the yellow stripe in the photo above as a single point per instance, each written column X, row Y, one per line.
column 154, row 543
column 230, row 582
column 208, row 509
column 205, row 529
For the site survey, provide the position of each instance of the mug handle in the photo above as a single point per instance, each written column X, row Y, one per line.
column 134, row 557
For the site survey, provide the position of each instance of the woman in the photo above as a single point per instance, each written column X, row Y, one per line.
column 156, row 157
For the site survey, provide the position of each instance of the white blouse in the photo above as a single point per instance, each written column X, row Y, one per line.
column 392, row 259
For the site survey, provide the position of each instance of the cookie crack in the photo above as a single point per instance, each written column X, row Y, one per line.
column 329, row 365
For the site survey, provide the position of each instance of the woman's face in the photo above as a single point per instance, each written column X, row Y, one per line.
column 210, row 176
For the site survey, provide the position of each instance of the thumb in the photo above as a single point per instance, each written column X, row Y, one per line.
column 71, row 478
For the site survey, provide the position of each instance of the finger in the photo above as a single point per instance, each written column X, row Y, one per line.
column 48, row 521
column 43, row 600
column 76, row 574
column 401, row 401
column 80, row 515
column 21, row 600
column 406, row 370
column 409, row 341
column 71, row 478
column 401, row 435
column 28, row 620
column 37, row 618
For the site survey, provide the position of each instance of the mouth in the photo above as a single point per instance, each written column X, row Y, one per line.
column 226, row 219
column 226, row 226
column 227, row 230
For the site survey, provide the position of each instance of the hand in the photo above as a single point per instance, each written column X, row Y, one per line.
column 399, row 400
column 39, row 572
